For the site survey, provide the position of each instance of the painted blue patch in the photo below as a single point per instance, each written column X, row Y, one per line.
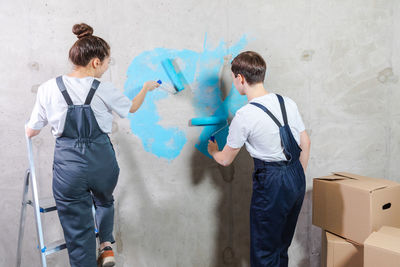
column 201, row 68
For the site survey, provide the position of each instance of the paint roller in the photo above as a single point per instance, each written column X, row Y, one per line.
column 210, row 121
column 174, row 75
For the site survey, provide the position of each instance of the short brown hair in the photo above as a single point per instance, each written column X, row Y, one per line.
column 251, row 65
column 88, row 46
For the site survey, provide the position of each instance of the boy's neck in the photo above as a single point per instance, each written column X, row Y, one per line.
column 255, row 90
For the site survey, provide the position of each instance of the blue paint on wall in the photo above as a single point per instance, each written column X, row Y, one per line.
column 199, row 68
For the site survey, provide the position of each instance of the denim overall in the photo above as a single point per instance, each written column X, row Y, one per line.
column 85, row 172
column 278, row 193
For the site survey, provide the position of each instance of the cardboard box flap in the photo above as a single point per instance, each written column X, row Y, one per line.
column 368, row 183
column 366, row 178
column 352, row 175
column 334, row 238
column 343, row 176
column 370, row 186
column 340, row 240
column 333, row 178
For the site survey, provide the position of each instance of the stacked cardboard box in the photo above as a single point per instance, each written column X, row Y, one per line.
column 337, row 251
column 382, row 248
column 351, row 209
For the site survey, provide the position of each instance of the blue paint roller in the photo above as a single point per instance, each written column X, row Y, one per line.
column 210, row 121
column 166, row 88
column 212, row 137
column 206, row 121
column 175, row 76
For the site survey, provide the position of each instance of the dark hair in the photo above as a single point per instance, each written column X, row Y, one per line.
column 88, row 46
column 251, row 65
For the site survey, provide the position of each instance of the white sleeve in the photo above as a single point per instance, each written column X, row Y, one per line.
column 38, row 117
column 299, row 121
column 238, row 132
column 116, row 100
column 296, row 121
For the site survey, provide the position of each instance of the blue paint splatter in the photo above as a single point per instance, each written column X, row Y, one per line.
column 201, row 68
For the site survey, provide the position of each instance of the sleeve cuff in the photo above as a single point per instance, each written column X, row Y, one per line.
column 125, row 114
column 34, row 126
column 234, row 146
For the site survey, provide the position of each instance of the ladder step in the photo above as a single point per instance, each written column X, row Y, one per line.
column 45, row 204
column 55, row 246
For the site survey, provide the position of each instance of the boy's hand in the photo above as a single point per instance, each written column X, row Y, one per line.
column 150, row 85
column 212, row 147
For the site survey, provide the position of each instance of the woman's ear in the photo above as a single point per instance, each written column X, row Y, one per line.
column 95, row 62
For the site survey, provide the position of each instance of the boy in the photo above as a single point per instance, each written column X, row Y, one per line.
column 272, row 129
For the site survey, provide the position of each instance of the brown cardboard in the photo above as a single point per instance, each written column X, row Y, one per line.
column 337, row 252
column 353, row 206
column 382, row 248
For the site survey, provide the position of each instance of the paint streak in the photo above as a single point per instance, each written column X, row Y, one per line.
column 201, row 72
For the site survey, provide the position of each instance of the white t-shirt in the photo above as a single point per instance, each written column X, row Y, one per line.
column 253, row 127
column 51, row 107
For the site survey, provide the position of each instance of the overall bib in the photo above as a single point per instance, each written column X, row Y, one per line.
column 278, row 193
column 85, row 172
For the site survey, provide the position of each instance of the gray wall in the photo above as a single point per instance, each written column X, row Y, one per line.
column 339, row 60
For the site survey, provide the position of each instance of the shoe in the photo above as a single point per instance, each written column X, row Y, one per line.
column 106, row 257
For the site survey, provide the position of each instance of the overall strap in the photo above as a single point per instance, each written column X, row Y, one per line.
column 63, row 90
column 268, row 112
column 89, row 97
column 283, row 109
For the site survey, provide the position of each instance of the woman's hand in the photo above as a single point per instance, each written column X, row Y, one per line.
column 150, row 85
column 137, row 101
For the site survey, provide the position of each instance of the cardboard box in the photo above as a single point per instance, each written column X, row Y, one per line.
column 337, row 252
column 382, row 248
column 353, row 206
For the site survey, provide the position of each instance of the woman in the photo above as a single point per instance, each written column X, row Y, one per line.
column 85, row 171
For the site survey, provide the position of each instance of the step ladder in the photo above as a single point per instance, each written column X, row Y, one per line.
column 40, row 206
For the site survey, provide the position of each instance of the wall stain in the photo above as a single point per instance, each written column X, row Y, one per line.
column 118, row 234
column 307, row 55
column 228, row 255
column 33, row 65
column 34, row 88
column 387, row 75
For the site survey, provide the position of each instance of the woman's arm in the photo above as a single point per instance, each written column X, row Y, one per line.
column 137, row 101
column 30, row 132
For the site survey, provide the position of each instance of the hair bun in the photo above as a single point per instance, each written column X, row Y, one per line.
column 82, row 30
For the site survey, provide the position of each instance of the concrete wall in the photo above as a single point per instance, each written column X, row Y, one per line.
column 339, row 60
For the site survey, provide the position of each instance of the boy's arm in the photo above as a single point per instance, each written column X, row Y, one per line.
column 224, row 157
column 305, row 144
